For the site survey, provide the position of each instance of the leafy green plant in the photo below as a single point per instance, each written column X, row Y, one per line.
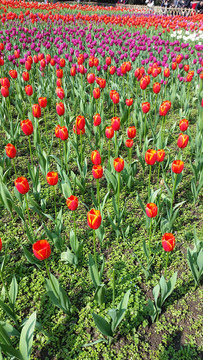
column 96, row 277
column 161, row 292
column 195, row 259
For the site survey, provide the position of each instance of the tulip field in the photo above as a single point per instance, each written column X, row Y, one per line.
column 101, row 183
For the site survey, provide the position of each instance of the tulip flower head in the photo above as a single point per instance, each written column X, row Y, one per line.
column 115, row 123
column 109, row 132
column 145, row 107
column 22, row 185
column 131, row 132
column 97, row 120
column 160, row 155
column 183, row 124
column 96, row 157
column 182, row 141
column 118, row 164
column 52, row 178
column 41, row 249
column 94, row 219
column 72, row 202
column 80, row 122
column 27, row 127
column 177, row 166
column 168, row 242
column 97, row 171
column 151, row 156
column 11, row 151
column 36, row 111
column 151, row 210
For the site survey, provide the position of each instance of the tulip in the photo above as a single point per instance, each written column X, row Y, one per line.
column 42, row 102
column 177, row 166
column 97, row 172
column 96, row 93
column 13, row 74
column 60, row 92
column 129, row 143
column 129, row 102
column 41, row 249
column 150, row 158
column 94, row 221
column 59, row 73
column 143, row 83
column 0, row 244
column 27, row 128
column 183, row 124
column 145, row 107
column 62, row 62
column 80, row 122
column 108, row 61
column 112, row 70
column 60, row 109
column 168, row 243
column 52, row 179
column 29, row 90
column 5, row 82
column 96, row 157
column 28, row 65
column 131, row 132
column 118, row 164
column 22, row 185
column 36, row 111
column 156, row 87
column 115, row 123
column 72, row 203
column 182, row 141
column 63, row 133
column 25, row 76
column 97, row 120
column 73, row 71
column 151, row 210
column 91, row 78
column 11, row 151
column 5, row 91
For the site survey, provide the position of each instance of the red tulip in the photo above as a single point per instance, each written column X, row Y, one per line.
column 166, row 72
column 129, row 143
column 108, row 61
column 112, row 70
column 0, row 244
column 22, row 185
column 52, row 178
column 60, row 109
column 63, row 133
column 156, row 87
column 36, row 110
column 96, row 93
column 97, row 120
column 97, row 171
column 160, row 155
column 145, row 107
column 25, row 76
column 73, row 71
column 150, row 156
column 182, row 141
column 59, row 73
column 115, row 123
column 57, row 129
column 94, row 219
column 72, row 202
column 168, row 242
column 29, row 90
column 131, row 132
column 183, row 124
column 80, row 122
column 11, row 151
column 177, row 166
column 5, row 91
column 27, row 127
column 118, row 164
column 109, row 132
column 96, row 157
column 90, row 78
column 151, row 210
column 5, row 82
column 13, row 74
column 41, row 249
column 62, row 62
column 28, row 65
column 60, row 92
column 42, row 102
column 129, row 102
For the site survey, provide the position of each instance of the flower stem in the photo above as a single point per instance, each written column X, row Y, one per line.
column 45, row 121
column 95, row 254
column 113, row 288
column 116, row 150
column 98, row 194
column 118, row 193
column 150, row 171
column 55, row 201
column 158, row 175
column 28, row 213
column 173, row 194
column 30, row 151
column 150, row 235
column 81, row 147
column 167, row 257
column 74, row 225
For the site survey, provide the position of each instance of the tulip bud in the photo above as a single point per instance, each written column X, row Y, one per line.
column 72, row 202
column 151, row 210
column 97, row 171
column 145, row 107
column 160, row 155
column 11, row 151
column 168, row 242
column 41, row 249
column 129, row 143
column 115, row 123
column 177, row 166
column 97, row 120
column 118, row 164
column 63, row 133
column 94, row 219
column 182, row 141
column 131, row 132
column 151, row 156
column 52, row 178
column 183, row 124
column 42, row 102
column 96, row 93
column 29, row 90
column 96, row 157
column 13, row 74
column 80, row 122
column 109, row 132
column 27, row 127
column 36, row 110
column 60, row 109
column 22, row 185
